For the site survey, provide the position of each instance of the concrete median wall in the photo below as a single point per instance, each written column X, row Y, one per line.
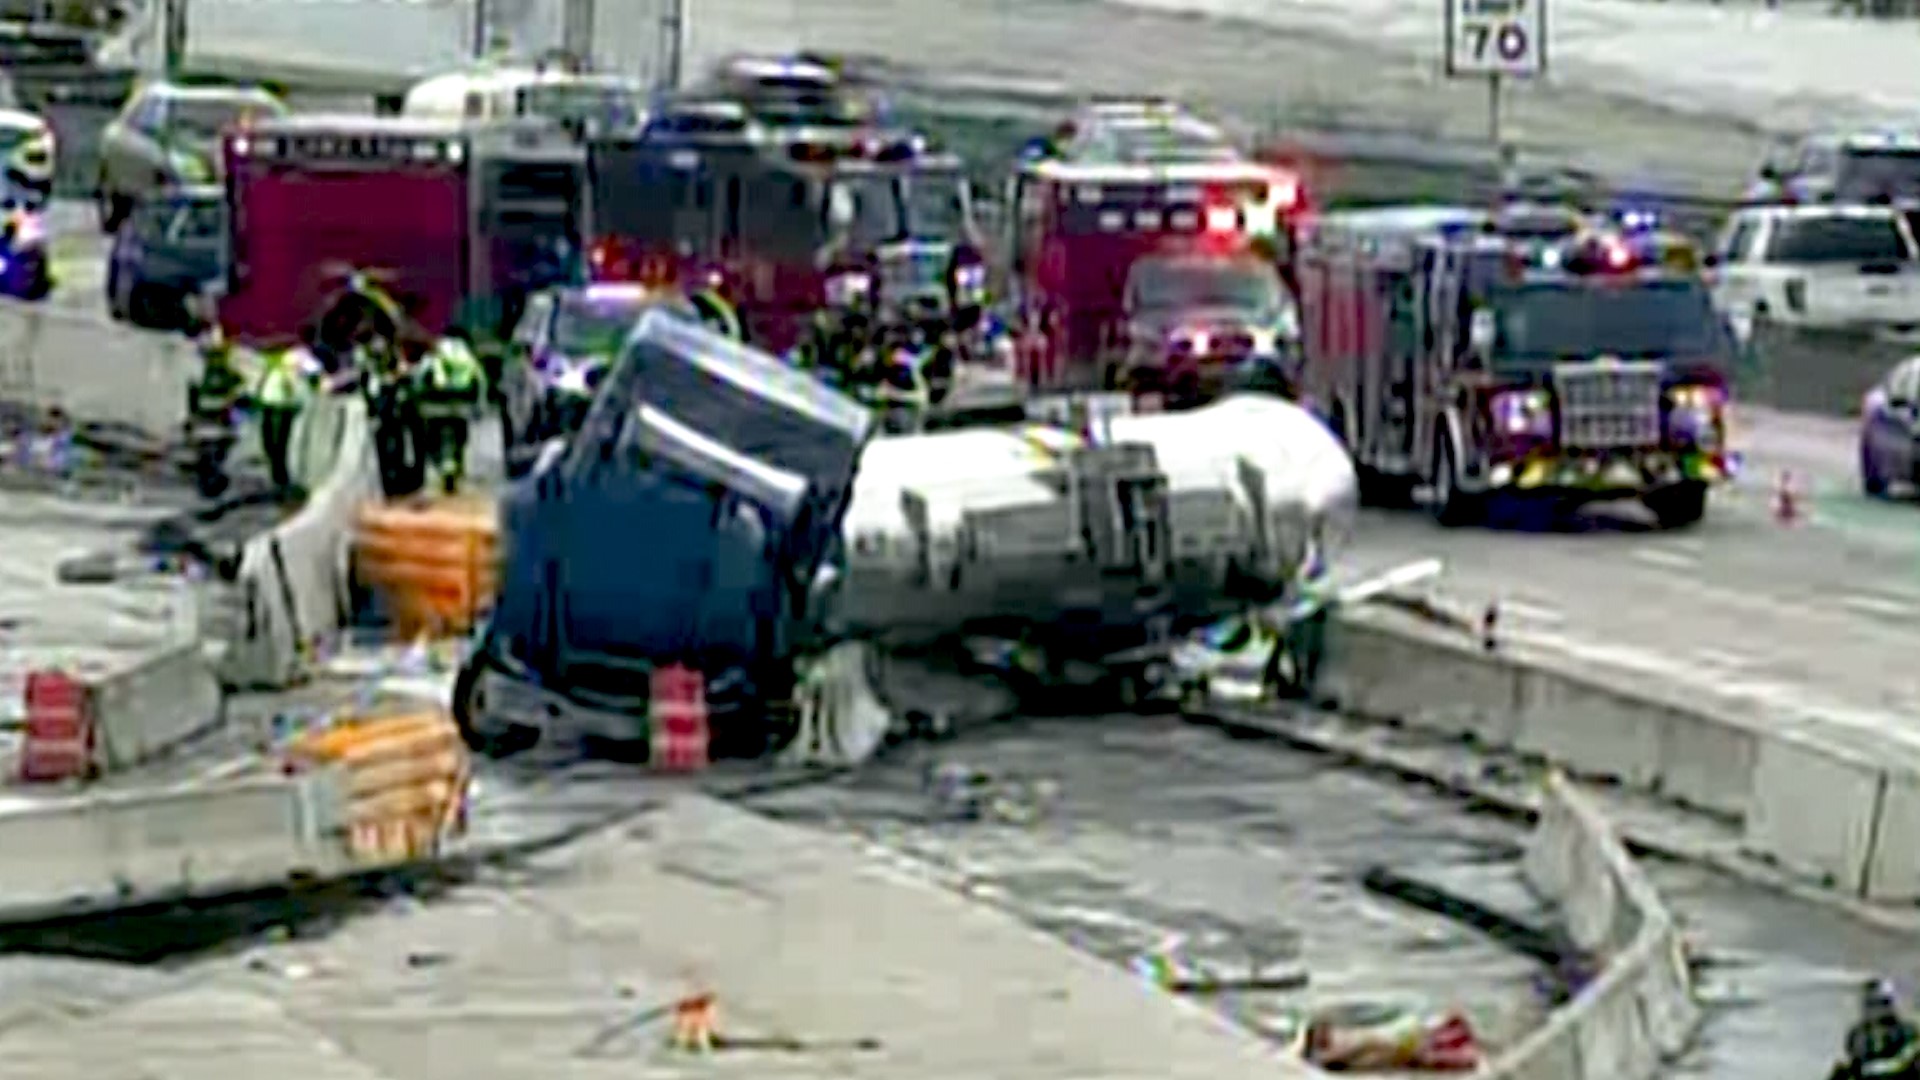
column 295, row 580
column 1810, row 799
column 149, row 707
column 98, row 372
column 1640, row 1010
column 93, row 853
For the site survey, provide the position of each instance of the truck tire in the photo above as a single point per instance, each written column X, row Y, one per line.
column 1679, row 505
column 1451, row 506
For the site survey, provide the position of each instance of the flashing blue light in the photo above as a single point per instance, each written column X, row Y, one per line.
column 1636, row 219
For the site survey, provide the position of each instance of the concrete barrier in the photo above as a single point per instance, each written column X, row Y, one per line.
column 1640, row 1010
column 152, row 706
column 1860, row 834
column 99, row 852
column 98, row 372
column 295, row 580
column 1814, row 810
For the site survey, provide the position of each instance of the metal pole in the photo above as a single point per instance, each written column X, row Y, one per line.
column 576, row 34
column 173, row 37
column 1497, row 135
column 673, row 40
column 482, row 11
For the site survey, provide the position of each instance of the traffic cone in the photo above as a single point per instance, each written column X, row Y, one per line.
column 694, row 1018
column 1786, row 498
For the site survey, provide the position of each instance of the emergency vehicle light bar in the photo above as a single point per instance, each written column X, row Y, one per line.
column 882, row 150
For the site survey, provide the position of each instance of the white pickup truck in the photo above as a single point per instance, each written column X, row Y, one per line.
column 1822, row 266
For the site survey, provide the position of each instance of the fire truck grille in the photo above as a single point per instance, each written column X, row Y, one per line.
column 913, row 273
column 1608, row 407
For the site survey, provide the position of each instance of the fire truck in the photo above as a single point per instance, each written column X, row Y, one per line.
column 777, row 185
column 454, row 221
column 1504, row 369
column 1080, row 229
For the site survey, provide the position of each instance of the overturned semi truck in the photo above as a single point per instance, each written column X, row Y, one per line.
column 721, row 510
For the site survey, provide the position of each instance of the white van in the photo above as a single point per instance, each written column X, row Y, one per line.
column 592, row 102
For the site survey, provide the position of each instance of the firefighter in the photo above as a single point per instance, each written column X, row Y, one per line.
column 452, row 388
column 211, row 402
column 280, row 394
column 717, row 312
column 1882, row 1043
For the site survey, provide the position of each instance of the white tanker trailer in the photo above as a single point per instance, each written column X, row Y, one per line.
column 1184, row 514
column 721, row 510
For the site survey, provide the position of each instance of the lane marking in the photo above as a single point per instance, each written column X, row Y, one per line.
column 1720, row 659
column 1666, row 557
column 1532, row 613
column 1884, row 606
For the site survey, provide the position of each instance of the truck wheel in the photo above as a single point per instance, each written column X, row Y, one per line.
column 1451, row 506
column 501, row 742
column 1678, row 506
column 1873, row 483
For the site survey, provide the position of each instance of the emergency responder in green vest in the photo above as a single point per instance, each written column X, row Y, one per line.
column 211, row 420
column 718, row 313
column 280, row 393
column 452, row 388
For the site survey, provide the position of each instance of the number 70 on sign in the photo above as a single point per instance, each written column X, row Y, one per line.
column 1496, row 37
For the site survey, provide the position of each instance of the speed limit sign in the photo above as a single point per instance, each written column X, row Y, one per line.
column 1496, row 37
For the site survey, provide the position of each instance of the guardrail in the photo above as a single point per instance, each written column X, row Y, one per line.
column 1820, row 801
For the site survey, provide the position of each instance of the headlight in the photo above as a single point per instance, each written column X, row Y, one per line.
column 849, row 288
column 1519, row 413
column 29, row 230
column 970, row 281
column 574, row 378
column 1694, row 415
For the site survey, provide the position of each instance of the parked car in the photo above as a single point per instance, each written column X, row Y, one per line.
column 1840, row 166
column 26, row 146
column 1825, row 266
column 172, row 247
column 1890, row 431
column 169, row 135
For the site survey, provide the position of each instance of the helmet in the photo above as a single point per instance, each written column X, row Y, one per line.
column 1879, row 994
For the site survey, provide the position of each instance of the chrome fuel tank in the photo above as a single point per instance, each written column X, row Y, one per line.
column 1192, row 513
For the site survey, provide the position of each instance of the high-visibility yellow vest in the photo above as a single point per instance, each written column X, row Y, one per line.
column 282, row 384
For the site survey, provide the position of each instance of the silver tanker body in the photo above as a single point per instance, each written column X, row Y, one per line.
column 1190, row 514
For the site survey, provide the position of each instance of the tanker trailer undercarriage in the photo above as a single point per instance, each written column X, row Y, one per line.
column 721, row 511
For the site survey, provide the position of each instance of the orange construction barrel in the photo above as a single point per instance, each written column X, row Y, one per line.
column 433, row 563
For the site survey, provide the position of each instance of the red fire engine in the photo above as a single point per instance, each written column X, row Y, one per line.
column 453, row 221
column 1079, row 231
column 1487, row 367
column 769, row 189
